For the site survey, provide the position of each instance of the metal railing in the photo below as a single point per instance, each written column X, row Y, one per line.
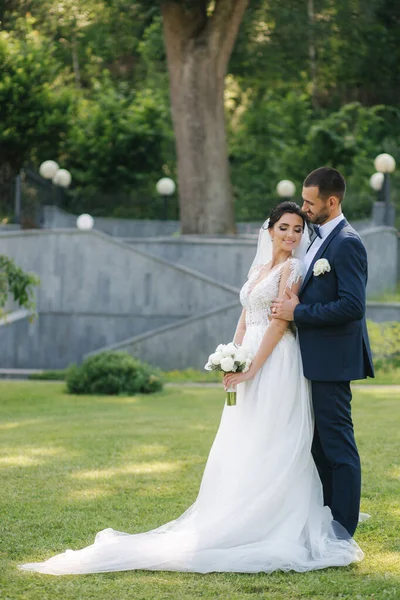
column 22, row 202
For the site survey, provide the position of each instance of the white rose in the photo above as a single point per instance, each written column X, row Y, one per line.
column 247, row 365
column 230, row 349
column 241, row 355
column 227, row 364
column 220, row 348
column 216, row 358
column 321, row 266
column 208, row 367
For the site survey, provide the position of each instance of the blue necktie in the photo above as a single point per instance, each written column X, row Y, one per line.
column 317, row 231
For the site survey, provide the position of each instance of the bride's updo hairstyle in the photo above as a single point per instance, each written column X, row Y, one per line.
column 284, row 208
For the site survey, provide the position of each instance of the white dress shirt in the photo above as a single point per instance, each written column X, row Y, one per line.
column 324, row 230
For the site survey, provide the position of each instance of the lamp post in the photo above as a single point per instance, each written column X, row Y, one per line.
column 383, row 210
column 61, row 178
column 17, row 199
column 286, row 189
column 50, row 170
column 165, row 187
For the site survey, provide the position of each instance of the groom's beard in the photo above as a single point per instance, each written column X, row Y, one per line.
column 321, row 217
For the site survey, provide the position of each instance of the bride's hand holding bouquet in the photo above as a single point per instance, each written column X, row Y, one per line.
column 235, row 362
column 233, row 379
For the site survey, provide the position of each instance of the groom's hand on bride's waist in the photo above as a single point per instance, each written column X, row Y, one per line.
column 283, row 308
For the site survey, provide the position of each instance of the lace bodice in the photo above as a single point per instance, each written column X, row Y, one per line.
column 258, row 294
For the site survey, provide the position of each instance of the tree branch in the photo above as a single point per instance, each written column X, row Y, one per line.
column 183, row 21
column 223, row 27
column 181, row 24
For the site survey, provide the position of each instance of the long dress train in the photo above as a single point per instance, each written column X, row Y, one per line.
column 260, row 504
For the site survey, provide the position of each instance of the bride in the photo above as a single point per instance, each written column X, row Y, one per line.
column 260, row 505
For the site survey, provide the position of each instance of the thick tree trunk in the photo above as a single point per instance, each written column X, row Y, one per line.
column 198, row 50
column 206, row 203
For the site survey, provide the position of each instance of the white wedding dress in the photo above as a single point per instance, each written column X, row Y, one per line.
column 260, row 504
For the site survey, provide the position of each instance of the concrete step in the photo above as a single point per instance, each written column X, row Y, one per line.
column 18, row 373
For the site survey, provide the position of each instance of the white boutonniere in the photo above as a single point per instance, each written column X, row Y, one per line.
column 321, row 266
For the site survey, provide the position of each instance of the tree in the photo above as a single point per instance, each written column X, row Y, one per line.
column 199, row 38
column 295, row 66
column 115, row 148
column 34, row 104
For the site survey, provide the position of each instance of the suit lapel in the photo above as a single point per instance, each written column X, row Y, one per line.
column 321, row 250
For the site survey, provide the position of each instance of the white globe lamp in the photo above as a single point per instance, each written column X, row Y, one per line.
column 376, row 181
column 85, row 222
column 286, row 188
column 165, row 187
column 62, row 178
column 384, row 212
column 385, row 163
column 48, row 169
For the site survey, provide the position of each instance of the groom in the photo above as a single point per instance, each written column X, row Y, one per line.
column 330, row 317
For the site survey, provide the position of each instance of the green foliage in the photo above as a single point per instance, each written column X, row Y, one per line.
column 280, row 137
column 86, row 83
column 55, row 375
column 115, row 148
column 356, row 46
column 385, row 344
column 113, row 373
column 34, row 104
column 192, row 376
column 17, row 284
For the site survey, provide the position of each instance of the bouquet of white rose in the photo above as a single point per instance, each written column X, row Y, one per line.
column 229, row 358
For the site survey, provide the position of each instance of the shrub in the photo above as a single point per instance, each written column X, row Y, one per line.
column 192, row 375
column 49, row 375
column 113, row 373
column 385, row 344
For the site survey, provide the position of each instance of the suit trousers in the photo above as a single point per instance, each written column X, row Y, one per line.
column 335, row 452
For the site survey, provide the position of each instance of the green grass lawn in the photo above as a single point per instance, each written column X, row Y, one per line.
column 71, row 466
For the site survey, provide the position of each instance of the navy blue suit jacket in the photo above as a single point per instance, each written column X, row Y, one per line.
column 331, row 315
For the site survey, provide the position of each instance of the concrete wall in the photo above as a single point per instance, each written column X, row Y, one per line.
column 56, row 218
column 54, row 341
column 96, row 291
column 226, row 259
column 88, row 272
column 398, row 256
column 382, row 248
column 8, row 227
column 381, row 312
column 361, row 224
column 192, row 340
column 195, row 338
column 229, row 259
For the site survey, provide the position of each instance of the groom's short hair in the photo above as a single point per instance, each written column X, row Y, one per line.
column 328, row 181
